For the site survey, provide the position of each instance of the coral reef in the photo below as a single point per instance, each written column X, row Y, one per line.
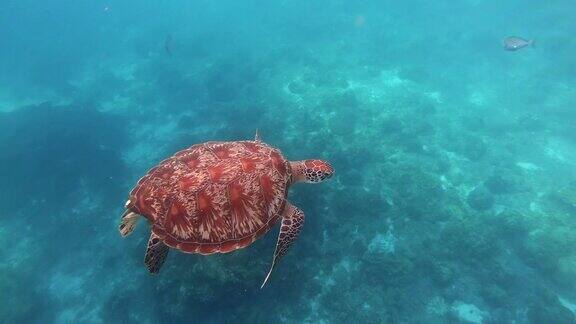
column 59, row 149
column 548, row 309
column 480, row 199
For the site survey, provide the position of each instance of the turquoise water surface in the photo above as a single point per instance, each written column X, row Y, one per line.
column 454, row 197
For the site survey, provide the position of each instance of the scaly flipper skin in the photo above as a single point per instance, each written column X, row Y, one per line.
column 292, row 222
column 128, row 223
column 155, row 254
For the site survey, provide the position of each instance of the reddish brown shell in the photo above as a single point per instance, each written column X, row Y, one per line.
column 214, row 197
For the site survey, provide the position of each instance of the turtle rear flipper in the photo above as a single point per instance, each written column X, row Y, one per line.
column 155, row 254
column 128, row 223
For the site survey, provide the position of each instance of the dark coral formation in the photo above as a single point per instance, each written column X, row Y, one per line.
column 52, row 152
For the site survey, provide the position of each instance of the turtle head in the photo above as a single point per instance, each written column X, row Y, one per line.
column 311, row 171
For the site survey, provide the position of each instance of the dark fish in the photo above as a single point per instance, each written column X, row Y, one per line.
column 168, row 45
column 514, row 43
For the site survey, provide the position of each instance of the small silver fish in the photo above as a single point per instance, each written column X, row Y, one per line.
column 514, row 43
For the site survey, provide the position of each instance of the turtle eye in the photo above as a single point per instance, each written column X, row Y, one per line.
column 326, row 170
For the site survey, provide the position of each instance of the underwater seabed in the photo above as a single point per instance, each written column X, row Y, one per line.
column 452, row 202
column 425, row 226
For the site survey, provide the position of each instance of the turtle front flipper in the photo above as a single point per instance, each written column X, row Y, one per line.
column 155, row 254
column 292, row 222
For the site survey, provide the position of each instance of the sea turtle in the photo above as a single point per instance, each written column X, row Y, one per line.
column 217, row 197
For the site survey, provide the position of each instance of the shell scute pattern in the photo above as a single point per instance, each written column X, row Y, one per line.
column 197, row 156
column 248, row 205
column 223, row 172
column 149, row 197
column 214, row 197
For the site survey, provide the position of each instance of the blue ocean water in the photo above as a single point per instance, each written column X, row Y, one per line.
column 454, row 198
